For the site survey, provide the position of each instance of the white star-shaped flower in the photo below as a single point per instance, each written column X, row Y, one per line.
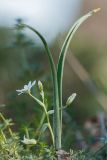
column 26, row 88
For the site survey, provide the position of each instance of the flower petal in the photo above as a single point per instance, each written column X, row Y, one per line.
column 20, row 93
column 29, row 84
column 25, row 87
column 33, row 83
column 18, row 90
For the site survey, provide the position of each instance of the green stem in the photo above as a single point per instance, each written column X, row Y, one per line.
column 37, row 100
column 49, row 125
column 42, row 118
column 27, row 133
column 41, row 123
column 46, row 113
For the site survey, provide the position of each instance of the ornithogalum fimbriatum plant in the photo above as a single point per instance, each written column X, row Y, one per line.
column 57, row 77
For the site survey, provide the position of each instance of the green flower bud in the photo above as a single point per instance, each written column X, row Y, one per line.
column 40, row 85
column 70, row 99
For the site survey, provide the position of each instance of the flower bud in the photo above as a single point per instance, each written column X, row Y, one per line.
column 40, row 85
column 70, row 99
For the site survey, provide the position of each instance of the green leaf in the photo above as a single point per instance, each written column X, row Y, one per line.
column 64, row 49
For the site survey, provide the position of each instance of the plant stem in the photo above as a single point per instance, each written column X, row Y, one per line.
column 27, row 133
column 42, row 119
column 49, row 125
column 46, row 113
column 41, row 123
column 37, row 100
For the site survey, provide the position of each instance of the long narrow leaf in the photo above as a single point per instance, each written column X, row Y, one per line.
column 56, row 118
column 46, row 47
column 64, row 51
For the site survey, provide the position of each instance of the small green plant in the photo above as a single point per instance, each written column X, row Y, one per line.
column 57, row 76
column 17, row 150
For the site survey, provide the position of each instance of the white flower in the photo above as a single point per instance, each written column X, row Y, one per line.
column 29, row 141
column 26, row 88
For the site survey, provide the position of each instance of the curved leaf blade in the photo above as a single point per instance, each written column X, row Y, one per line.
column 63, row 52
column 56, row 118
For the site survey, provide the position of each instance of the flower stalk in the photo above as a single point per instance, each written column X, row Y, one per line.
column 46, row 113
